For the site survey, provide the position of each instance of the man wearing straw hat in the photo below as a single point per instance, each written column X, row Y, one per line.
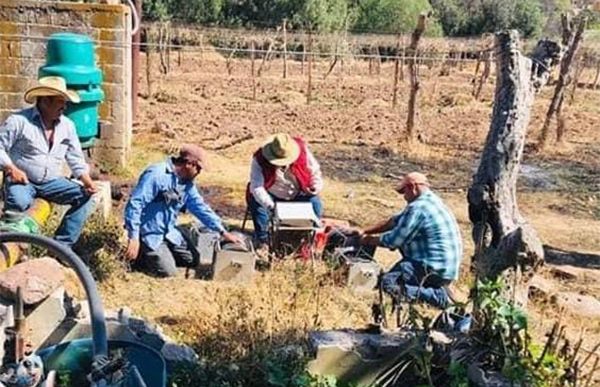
column 34, row 144
column 427, row 235
column 283, row 169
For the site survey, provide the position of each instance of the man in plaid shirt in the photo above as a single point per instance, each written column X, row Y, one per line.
column 427, row 236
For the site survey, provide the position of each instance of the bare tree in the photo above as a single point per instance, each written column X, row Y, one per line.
column 572, row 37
column 506, row 244
column 415, row 83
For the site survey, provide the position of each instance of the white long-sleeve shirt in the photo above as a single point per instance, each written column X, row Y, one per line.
column 286, row 186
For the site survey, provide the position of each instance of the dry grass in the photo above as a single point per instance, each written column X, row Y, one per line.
column 357, row 138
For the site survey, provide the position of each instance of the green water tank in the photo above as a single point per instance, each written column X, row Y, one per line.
column 72, row 57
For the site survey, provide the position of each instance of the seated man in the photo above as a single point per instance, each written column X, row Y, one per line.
column 282, row 170
column 163, row 190
column 427, row 235
column 34, row 144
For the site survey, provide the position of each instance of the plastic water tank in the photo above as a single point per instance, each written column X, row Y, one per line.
column 72, row 57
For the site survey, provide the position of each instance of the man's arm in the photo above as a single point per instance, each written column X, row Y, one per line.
column 407, row 226
column 201, row 210
column 10, row 131
column 144, row 193
column 382, row 226
column 257, row 186
column 316, row 177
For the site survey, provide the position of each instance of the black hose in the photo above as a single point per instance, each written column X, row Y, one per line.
column 69, row 258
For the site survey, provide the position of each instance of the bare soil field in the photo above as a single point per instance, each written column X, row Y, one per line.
column 359, row 138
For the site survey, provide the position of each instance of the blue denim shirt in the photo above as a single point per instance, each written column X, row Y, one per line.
column 24, row 144
column 427, row 232
column 152, row 210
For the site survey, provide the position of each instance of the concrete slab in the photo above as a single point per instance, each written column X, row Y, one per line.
column 354, row 356
column 103, row 198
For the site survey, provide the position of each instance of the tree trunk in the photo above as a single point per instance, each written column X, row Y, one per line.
column 284, row 49
column 396, row 74
column 415, row 83
column 571, row 41
column 506, row 245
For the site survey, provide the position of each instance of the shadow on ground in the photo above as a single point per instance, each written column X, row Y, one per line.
column 558, row 256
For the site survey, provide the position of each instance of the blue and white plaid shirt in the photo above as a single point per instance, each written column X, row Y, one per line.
column 427, row 232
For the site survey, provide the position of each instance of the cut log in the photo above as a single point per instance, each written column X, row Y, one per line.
column 507, row 246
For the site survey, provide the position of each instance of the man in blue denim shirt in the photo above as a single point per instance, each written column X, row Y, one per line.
column 34, row 145
column 163, row 190
column 428, row 237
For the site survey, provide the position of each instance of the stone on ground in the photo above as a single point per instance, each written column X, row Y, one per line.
column 38, row 278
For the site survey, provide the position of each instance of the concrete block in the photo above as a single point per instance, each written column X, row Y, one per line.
column 114, row 92
column 103, row 199
column 33, row 50
column 113, row 73
column 45, row 30
column 110, row 55
column 233, row 266
column 354, row 356
column 42, row 319
column 14, row 84
column 111, row 35
column 361, row 275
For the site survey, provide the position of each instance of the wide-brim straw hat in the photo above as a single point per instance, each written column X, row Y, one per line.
column 51, row 86
column 281, row 150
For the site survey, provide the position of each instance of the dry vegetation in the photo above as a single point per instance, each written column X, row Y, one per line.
column 358, row 138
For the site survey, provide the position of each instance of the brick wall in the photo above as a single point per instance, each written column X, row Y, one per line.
column 24, row 29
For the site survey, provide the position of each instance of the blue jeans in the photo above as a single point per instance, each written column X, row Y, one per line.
column 415, row 282
column 260, row 214
column 19, row 197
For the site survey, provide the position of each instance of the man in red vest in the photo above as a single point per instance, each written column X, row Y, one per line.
column 282, row 170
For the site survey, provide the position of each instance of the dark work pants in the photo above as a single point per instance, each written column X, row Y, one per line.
column 163, row 261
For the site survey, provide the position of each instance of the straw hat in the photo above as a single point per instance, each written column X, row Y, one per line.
column 51, row 86
column 281, row 150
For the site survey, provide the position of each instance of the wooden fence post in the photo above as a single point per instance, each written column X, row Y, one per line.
column 284, row 49
column 252, row 53
column 149, row 36
column 310, row 60
column 572, row 36
column 414, row 77
column 396, row 74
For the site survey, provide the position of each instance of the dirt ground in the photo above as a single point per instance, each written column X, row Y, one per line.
column 357, row 136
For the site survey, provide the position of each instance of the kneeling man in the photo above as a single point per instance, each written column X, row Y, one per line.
column 163, row 190
column 283, row 169
column 427, row 236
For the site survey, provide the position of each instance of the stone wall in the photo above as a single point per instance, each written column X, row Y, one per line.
column 24, row 29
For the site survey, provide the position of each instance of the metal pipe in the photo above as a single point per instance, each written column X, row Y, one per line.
column 69, row 258
column 135, row 59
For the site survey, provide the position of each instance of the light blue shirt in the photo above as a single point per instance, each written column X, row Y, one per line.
column 24, row 144
column 427, row 232
column 152, row 210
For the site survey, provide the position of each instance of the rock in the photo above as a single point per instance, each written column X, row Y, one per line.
column 582, row 305
column 540, row 287
column 482, row 378
column 176, row 353
column 572, row 273
column 38, row 278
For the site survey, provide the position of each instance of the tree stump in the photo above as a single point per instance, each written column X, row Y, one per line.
column 507, row 245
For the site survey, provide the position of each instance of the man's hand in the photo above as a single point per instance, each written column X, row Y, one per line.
column 369, row 240
column 16, row 175
column 133, row 249
column 312, row 190
column 233, row 238
column 88, row 184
